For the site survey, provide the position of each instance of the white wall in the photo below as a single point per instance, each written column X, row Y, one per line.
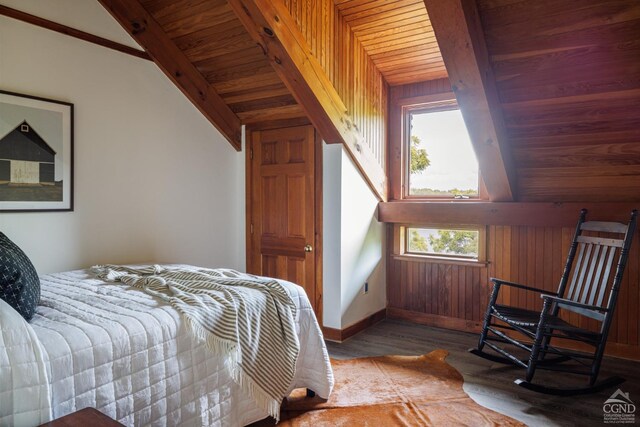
column 362, row 248
column 154, row 180
column 331, row 232
column 353, row 243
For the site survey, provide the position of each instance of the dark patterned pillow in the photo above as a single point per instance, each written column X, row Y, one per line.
column 19, row 281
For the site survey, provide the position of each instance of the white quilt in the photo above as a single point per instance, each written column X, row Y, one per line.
column 129, row 356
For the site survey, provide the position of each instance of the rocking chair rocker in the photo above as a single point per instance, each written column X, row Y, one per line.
column 590, row 279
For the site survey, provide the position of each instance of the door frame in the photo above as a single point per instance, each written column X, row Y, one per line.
column 317, row 299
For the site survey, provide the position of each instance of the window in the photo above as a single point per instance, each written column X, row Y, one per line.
column 431, row 161
column 441, row 242
column 441, row 162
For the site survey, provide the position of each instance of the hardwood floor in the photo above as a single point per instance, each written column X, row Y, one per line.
column 491, row 384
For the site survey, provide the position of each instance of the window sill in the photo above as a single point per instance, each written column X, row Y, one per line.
column 441, row 260
column 412, row 199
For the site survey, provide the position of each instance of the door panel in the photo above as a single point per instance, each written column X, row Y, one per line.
column 270, row 219
column 296, row 226
column 283, row 206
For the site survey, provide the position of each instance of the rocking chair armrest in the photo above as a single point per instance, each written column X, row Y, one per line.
column 519, row 286
column 559, row 300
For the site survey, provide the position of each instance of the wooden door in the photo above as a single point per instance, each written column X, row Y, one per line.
column 283, row 207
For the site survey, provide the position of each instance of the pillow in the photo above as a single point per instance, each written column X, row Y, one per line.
column 19, row 281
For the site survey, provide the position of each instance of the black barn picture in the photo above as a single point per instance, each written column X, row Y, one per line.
column 36, row 154
column 26, row 158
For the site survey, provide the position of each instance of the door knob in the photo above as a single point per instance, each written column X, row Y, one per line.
column 308, row 248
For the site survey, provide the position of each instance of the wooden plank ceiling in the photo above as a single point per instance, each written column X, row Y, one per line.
column 398, row 36
column 568, row 79
column 220, row 56
column 215, row 41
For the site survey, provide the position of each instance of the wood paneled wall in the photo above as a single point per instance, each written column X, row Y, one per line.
column 567, row 81
column 411, row 91
column 455, row 296
column 360, row 85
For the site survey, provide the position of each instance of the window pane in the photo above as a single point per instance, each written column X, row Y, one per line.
column 440, row 241
column 441, row 159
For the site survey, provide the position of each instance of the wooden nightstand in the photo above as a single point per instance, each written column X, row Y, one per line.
column 84, row 417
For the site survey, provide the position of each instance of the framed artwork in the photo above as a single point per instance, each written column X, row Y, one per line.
column 36, row 154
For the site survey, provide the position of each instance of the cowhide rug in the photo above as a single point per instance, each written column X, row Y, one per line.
column 391, row 391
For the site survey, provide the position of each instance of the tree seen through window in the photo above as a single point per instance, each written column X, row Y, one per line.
column 443, row 242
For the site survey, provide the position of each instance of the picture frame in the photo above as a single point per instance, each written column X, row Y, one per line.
column 36, row 153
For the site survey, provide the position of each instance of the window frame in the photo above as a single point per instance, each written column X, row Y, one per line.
column 400, row 244
column 399, row 148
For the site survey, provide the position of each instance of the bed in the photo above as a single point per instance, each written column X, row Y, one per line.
column 129, row 355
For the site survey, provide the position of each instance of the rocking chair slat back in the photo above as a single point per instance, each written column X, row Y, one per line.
column 581, row 273
column 595, row 260
column 605, row 279
column 574, row 279
column 607, row 227
column 598, row 275
column 592, row 275
column 618, row 243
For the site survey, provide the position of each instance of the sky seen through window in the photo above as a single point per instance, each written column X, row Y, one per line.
column 452, row 161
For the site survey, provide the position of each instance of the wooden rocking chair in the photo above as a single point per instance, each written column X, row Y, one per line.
column 589, row 280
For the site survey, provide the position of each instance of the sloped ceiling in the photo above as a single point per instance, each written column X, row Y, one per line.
column 230, row 64
column 210, row 35
column 398, row 36
column 566, row 73
column 568, row 79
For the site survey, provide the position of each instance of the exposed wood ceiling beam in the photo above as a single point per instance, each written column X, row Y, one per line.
column 539, row 214
column 148, row 33
column 63, row 29
column 459, row 33
column 271, row 25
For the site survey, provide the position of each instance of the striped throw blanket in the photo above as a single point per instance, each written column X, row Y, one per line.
column 249, row 321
